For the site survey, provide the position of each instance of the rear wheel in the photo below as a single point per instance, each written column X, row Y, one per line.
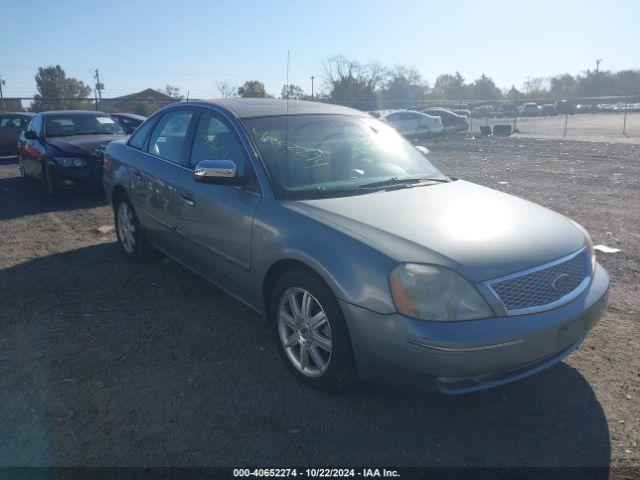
column 310, row 331
column 131, row 237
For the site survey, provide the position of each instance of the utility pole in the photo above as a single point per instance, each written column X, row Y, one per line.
column 598, row 61
column 2, row 83
column 312, row 79
column 99, row 88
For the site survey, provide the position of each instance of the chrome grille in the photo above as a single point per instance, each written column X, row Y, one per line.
column 543, row 287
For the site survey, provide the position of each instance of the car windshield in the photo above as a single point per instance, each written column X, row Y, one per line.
column 70, row 125
column 335, row 153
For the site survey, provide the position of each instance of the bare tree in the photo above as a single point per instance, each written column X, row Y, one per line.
column 226, row 89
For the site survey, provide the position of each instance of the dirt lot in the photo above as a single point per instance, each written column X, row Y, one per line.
column 103, row 362
column 600, row 127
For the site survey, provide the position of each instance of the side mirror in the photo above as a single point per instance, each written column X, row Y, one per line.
column 423, row 150
column 30, row 135
column 215, row 171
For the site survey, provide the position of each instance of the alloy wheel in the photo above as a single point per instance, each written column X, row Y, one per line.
column 126, row 228
column 304, row 331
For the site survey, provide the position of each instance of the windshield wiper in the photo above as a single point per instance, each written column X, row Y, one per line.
column 407, row 182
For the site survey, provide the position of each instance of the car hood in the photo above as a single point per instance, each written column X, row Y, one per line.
column 481, row 233
column 83, row 144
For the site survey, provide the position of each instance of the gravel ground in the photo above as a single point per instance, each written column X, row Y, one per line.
column 104, row 362
column 601, row 127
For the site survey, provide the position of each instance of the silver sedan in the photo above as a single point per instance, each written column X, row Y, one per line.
column 366, row 260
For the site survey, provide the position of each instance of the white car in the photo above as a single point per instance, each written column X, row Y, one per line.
column 411, row 123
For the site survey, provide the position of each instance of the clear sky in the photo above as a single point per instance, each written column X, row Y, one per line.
column 193, row 44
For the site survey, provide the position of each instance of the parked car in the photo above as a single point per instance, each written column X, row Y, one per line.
column 11, row 125
column 128, row 121
column 548, row 109
column 483, row 111
column 452, row 121
column 564, row 107
column 586, row 108
column 65, row 148
column 363, row 256
column 411, row 123
column 529, row 109
column 506, row 110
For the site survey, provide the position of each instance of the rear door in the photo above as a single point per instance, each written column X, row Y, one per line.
column 403, row 122
column 215, row 221
column 154, row 175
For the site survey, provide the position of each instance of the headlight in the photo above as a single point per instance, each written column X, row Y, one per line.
column 69, row 162
column 435, row 293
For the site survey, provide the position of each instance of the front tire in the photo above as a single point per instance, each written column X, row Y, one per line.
column 50, row 181
column 131, row 237
column 310, row 331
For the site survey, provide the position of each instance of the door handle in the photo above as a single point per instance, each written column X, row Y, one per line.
column 188, row 200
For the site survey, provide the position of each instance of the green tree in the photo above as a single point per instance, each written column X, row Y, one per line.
column 56, row 91
column 563, row 86
column 294, row 92
column 627, row 82
column 252, row 89
column 450, row 87
column 403, row 87
column 484, row 88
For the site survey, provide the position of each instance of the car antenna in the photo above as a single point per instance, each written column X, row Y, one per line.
column 286, row 145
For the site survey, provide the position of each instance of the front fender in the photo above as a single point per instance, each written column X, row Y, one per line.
column 355, row 272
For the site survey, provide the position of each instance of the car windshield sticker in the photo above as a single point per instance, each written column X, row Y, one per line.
column 105, row 120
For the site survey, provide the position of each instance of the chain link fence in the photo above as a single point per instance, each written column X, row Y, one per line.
column 592, row 118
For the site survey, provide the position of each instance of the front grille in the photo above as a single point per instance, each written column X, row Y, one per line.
column 543, row 286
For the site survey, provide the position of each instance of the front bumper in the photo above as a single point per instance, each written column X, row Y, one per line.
column 466, row 356
column 87, row 178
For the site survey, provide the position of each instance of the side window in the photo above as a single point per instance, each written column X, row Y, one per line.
column 410, row 116
column 35, row 125
column 395, row 117
column 138, row 138
column 169, row 135
column 215, row 140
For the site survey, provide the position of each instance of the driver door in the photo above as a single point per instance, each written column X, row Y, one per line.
column 215, row 221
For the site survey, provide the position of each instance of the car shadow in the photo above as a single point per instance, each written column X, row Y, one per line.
column 107, row 362
column 21, row 197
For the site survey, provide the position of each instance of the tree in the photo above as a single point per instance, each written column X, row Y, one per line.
column 484, row 88
column 563, row 86
column 350, row 83
column 56, row 91
column 226, row 89
column 252, row 89
column 171, row 91
column 450, row 87
column 403, row 87
column 294, row 92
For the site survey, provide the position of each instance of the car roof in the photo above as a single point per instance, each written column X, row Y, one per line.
column 129, row 115
column 17, row 114
column 268, row 107
column 55, row 113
